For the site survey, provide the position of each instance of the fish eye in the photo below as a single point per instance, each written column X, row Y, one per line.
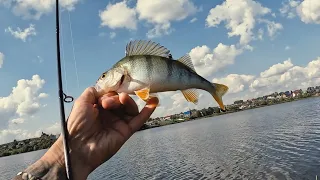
column 103, row 76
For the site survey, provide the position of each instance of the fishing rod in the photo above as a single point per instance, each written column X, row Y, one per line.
column 63, row 98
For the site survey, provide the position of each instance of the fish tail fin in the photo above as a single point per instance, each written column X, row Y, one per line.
column 219, row 91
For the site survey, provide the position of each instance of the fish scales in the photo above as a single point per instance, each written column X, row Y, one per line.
column 156, row 71
column 149, row 68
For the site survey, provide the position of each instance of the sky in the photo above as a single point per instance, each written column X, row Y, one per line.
column 255, row 47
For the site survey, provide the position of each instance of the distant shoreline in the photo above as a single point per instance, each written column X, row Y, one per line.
column 173, row 121
column 45, row 141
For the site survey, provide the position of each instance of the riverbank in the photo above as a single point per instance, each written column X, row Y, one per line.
column 232, row 109
column 33, row 144
column 45, row 140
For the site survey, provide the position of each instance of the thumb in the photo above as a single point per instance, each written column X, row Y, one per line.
column 136, row 123
column 89, row 95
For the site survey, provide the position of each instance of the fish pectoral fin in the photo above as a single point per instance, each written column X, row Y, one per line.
column 191, row 95
column 143, row 93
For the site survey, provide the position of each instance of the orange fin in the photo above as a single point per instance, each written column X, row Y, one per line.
column 143, row 93
column 191, row 95
column 220, row 90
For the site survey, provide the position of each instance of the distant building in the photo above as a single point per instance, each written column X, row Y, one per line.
column 238, row 102
column 187, row 114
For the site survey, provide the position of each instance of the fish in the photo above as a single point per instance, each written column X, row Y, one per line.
column 148, row 68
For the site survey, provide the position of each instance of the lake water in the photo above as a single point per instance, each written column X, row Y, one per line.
column 275, row 142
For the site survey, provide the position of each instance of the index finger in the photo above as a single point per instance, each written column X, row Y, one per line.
column 136, row 123
column 130, row 105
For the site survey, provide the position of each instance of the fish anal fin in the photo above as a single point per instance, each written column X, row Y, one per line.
column 220, row 90
column 186, row 60
column 191, row 95
column 144, row 47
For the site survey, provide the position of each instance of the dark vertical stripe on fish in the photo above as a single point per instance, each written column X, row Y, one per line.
column 170, row 69
column 189, row 76
column 149, row 66
column 180, row 75
column 131, row 62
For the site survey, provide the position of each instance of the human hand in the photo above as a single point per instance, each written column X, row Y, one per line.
column 98, row 127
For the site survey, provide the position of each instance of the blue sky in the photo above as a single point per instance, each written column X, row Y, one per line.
column 250, row 62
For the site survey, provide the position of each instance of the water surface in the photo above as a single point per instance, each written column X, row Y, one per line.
column 274, row 142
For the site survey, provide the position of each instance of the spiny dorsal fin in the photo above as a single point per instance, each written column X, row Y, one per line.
column 191, row 95
column 186, row 60
column 143, row 47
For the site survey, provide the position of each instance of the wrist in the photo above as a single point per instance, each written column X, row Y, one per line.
column 52, row 165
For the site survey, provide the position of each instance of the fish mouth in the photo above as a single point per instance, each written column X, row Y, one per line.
column 97, row 87
column 100, row 91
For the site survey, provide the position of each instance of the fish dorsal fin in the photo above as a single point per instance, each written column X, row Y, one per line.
column 191, row 95
column 186, row 60
column 143, row 47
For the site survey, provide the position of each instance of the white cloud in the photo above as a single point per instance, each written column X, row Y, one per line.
column 208, row 62
column 112, row 35
column 272, row 27
column 160, row 13
column 260, row 34
column 40, row 59
column 239, row 16
column 23, row 101
column 193, row 20
column 8, row 135
column 34, row 9
column 287, row 48
column 6, row 3
column 102, row 34
column 1, row 59
column 17, row 121
column 235, row 82
column 53, row 129
column 288, row 8
column 287, row 76
column 309, row 11
column 23, row 35
column 163, row 11
column 159, row 30
column 277, row 69
column 119, row 15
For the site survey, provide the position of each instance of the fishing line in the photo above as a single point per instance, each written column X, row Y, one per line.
column 74, row 55
column 63, row 59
